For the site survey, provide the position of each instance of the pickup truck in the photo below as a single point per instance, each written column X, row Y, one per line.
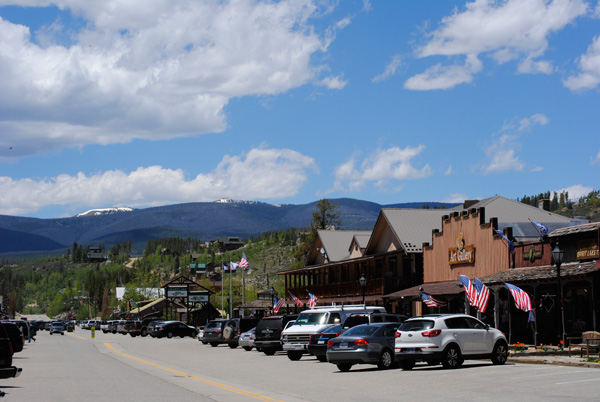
column 7, row 370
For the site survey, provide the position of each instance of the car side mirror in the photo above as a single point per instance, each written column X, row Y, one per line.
column 486, row 326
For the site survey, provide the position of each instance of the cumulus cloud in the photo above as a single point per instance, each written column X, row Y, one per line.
column 502, row 153
column 595, row 160
column 334, row 82
column 390, row 69
column 380, row 168
column 259, row 174
column 151, row 70
column 576, row 191
column 589, row 66
column 503, row 30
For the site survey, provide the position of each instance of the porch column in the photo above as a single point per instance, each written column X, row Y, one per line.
column 496, row 307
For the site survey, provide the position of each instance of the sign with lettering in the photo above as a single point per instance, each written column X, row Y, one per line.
column 198, row 296
column 587, row 250
column 177, row 291
column 461, row 254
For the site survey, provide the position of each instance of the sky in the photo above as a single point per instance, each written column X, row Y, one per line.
column 143, row 103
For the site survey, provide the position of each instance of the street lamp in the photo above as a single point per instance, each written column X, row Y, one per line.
column 272, row 296
column 557, row 255
column 229, row 304
column 363, row 285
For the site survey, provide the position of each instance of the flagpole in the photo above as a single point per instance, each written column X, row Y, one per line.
column 243, row 288
column 222, row 279
column 230, row 291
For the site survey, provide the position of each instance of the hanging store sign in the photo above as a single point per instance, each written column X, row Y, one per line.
column 587, row 250
column 461, row 254
column 531, row 254
column 177, row 291
column 198, row 296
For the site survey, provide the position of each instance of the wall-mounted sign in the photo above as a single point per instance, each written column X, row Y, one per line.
column 587, row 250
column 531, row 254
column 198, row 296
column 177, row 291
column 461, row 254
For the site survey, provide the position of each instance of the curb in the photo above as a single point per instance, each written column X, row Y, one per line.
column 542, row 360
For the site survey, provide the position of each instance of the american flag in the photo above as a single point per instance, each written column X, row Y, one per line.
column 277, row 303
column 312, row 300
column 542, row 230
column 244, row 262
column 509, row 244
column 431, row 301
column 298, row 302
column 469, row 289
column 483, row 295
column 522, row 299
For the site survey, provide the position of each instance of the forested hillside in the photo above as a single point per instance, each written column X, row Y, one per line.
column 559, row 203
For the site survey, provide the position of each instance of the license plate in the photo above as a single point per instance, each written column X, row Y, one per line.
column 321, row 341
column 410, row 350
column 343, row 345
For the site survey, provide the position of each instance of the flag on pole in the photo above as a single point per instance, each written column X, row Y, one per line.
column 542, row 230
column 225, row 268
column 298, row 302
column 312, row 300
column 483, row 295
column 469, row 289
column 277, row 303
column 509, row 244
column 430, row 301
column 522, row 299
column 244, row 262
column 231, row 268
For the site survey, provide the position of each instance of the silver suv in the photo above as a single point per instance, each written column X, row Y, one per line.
column 448, row 339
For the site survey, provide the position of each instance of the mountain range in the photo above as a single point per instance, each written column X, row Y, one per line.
column 201, row 220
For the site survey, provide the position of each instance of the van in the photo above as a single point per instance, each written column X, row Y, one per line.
column 268, row 332
column 295, row 339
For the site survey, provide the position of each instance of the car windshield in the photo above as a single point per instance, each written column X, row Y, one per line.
column 212, row 325
column 332, row 330
column 361, row 330
column 416, row 325
column 311, row 319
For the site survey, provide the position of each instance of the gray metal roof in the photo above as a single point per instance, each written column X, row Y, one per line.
column 363, row 239
column 337, row 242
column 413, row 226
column 587, row 227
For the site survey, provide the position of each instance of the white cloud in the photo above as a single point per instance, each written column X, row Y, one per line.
column 381, row 167
column 449, row 171
column 576, row 191
column 259, row 174
column 390, row 69
column 595, row 160
column 151, row 70
column 455, row 198
column 537, row 118
column 589, row 64
column 504, row 30
column 445, row 77
column 334, row 82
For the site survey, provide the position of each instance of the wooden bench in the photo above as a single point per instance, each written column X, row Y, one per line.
column 588, row 341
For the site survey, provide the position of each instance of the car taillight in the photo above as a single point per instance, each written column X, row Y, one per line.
column 217, row 331
column 329, row 344
column 432, row 333
column 397, row 334
column 361, row 342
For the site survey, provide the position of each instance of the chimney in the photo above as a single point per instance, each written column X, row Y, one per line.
column 469, row 203
column 544, row 204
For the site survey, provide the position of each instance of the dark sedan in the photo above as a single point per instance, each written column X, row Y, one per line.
column 317, row 346
column 173, row 328
column 364, row 344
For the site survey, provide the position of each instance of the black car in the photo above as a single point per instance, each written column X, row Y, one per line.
column 268, row 332
column 364, row 344
column 170, row 329
column 15, row 335
column 7, row 370
column 213, row 332
column 317, row 346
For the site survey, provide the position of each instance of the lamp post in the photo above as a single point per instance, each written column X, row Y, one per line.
column 557, row 255
column 229, row 304
column 363, row 285
column 272, row 296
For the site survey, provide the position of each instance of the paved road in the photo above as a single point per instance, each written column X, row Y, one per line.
column 75, row 367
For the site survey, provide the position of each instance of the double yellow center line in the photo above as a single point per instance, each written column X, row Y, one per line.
column 193, row 377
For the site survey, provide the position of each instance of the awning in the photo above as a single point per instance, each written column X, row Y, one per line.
column 542, row 274
column 434, row 288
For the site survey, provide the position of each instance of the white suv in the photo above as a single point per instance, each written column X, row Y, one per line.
column 449, row 339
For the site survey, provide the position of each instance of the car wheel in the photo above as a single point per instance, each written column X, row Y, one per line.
column 233, row 345
column 144, row 333
column 132, row 335
column 269, row 352
column 407, row 364
column 322, row 358
column 204, row 343
column 452, row 357
column 293, row 355
column 344, row 366
column 193, row 334
column 50, row 333
column 500, row 352
column 247, row 348
column 386, row 360
column 169, row 335
column 214, row 344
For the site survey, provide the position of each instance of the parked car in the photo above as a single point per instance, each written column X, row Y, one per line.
column 7, row 370
column 133, row 328
column 295, row 339
column 152, row 325
column 449, row 339
column 227, row 331
column 364, row 344
column 213, row 332
column 170, row 329
column 121, row 326
column 370, row 318
column 105, row 327
column 246, row 340
column 201, row 335
column 317, row 346
column 143, row 331
column 57, row 327
column 269, row 330
column 16, row 336
column 112, row 327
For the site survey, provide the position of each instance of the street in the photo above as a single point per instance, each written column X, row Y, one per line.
column 75, row 367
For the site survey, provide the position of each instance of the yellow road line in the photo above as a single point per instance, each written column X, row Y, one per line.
column 193, row 377
column 77, row 336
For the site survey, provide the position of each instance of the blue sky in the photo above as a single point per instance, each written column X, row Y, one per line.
column 146, row 103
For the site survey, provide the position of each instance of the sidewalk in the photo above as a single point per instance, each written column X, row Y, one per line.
column 561, row 358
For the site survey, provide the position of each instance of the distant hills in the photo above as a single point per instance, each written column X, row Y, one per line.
column 202, row 220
